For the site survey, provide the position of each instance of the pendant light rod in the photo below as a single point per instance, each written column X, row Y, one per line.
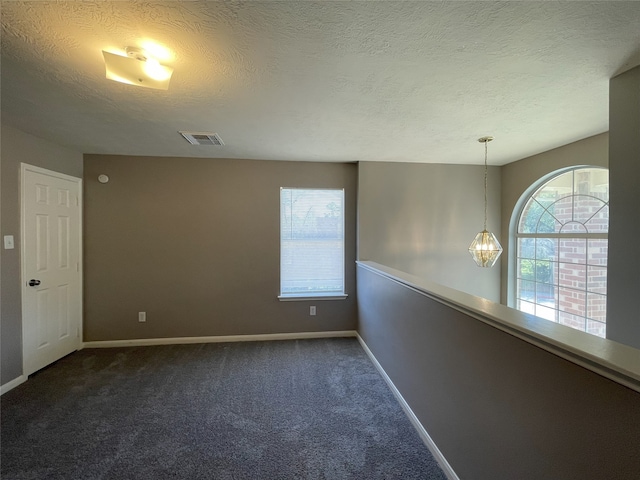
column 485, row 140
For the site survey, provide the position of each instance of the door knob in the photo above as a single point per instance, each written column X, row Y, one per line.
column 34, row 283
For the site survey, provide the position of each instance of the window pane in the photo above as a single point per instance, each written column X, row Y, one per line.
column 597, row 279
column 546, row 313
column 593, row 182
column 596, row 328
column 546, row 248
column 599, row 222
column 573, row 227
column 573, row 275
column 586, row 207
column 526, row 247
column 546, row 199
column 596, row 307
column 530, row 217
column 312, row 241
column 544, row 271
column 546, row 295
column 559, row 187
column 597, row 252
column 572, row 250
column 574, row 321
column 563, row 210
column 526, row 269
column 572, row 301
column 526, row 290
column 548, row 224
column 526, row 307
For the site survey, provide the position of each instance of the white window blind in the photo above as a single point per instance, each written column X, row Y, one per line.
column 311, row 242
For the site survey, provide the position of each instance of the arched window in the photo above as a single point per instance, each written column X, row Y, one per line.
column 561, row 250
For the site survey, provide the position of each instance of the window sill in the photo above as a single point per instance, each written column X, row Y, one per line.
column 307, row 297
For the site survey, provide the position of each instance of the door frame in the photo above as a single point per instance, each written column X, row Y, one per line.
column 24, row 168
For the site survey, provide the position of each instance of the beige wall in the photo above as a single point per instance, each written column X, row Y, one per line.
column 421, row 219
column 195, row 244
column 518, row 177
column 19, row 147
column 497, row 407
column 624, row 259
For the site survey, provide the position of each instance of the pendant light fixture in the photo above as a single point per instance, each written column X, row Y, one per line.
column 485, row 248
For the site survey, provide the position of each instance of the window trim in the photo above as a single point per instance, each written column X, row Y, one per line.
column 512, row 260
column 310, row 296
column 301, row 298
column 513, row 227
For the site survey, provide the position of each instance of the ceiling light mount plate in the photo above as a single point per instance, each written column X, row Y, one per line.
column 137, row 53
column 486, row 139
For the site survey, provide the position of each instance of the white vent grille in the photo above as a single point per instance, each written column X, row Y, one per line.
column 202, row 138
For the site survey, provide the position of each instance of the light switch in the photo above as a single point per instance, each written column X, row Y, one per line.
column 8, row 242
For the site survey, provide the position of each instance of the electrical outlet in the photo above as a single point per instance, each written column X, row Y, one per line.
column 312, row 310
column 142, row 316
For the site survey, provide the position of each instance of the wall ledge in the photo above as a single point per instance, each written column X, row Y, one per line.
column 610, row 359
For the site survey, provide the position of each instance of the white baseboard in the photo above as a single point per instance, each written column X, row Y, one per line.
column 140, row 342
column 12, row 384
column 428, row 441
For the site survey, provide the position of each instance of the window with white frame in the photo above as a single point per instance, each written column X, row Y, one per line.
column 561, row 250
column 311, row 243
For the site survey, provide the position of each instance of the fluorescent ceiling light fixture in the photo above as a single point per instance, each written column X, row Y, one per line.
column 137, row 68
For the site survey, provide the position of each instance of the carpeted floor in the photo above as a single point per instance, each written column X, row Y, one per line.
column 303, row 409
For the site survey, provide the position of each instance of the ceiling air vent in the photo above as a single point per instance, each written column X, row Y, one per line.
column 202, row 138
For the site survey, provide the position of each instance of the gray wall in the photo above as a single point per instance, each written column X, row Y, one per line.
column 421, row 219
column 18, row 147
column 195, row 244
column 623, row 320
column 517, row 178
column 496, row 406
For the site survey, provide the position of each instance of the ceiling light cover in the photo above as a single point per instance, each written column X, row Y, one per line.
column 137, row 68
column 485, row 248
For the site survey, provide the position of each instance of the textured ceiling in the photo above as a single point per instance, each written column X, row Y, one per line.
column 320, row 81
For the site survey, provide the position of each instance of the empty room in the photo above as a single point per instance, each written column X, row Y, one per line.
column 320, row 240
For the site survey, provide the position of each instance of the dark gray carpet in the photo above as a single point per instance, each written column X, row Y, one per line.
column 304, row 409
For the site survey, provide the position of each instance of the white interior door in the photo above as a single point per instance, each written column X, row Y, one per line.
column 51, row 269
